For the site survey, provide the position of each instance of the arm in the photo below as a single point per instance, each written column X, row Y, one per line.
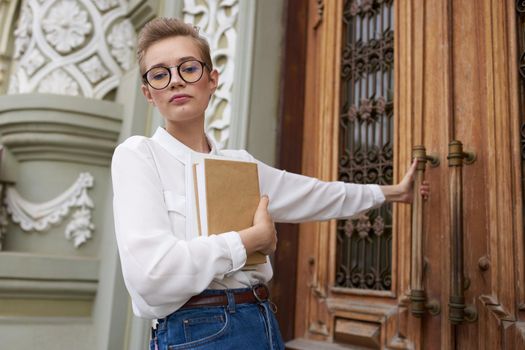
column 298, row 198
column 160, row 270
column 403, row 191
column 261, row 237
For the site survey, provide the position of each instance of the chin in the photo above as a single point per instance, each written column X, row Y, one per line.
column 181, row 118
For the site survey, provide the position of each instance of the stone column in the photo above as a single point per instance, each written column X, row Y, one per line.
column 72, row 89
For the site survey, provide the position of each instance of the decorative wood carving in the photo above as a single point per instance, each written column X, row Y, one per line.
column 495, row 307
column 320, row 12
column 358, row 333
column 319, row 327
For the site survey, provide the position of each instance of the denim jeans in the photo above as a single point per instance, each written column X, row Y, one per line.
column 241, row 326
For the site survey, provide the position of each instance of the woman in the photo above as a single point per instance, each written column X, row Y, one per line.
column 195, row 287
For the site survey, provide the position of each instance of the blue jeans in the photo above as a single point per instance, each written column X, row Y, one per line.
column 235, row 326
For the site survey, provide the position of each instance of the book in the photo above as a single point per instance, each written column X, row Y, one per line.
column 227, row 196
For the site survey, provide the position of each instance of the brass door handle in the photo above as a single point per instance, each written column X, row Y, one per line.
column 458, row 311
column 418, row 299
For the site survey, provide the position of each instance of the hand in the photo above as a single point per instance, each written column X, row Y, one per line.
column 264, row 222
column 404, row 191
column 406, row 186
column 262, row 236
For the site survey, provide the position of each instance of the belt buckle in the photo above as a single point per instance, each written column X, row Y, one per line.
column 254, row 291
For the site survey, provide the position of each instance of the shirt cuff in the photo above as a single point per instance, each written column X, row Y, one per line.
column 237, row 250
column 377, row 194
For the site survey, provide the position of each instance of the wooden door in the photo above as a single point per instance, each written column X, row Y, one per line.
column 462, row 86
column 455, row 78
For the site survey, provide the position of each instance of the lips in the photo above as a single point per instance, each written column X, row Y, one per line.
column 179, row 98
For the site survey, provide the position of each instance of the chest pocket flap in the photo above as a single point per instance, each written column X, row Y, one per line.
column 175, row 202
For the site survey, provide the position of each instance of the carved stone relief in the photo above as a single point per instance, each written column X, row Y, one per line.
column 41, row 216
column 72, row 47
column 66, row 26
column 217, row 22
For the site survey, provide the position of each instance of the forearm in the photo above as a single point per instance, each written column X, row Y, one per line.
column 250, row 240
column 259, row 238
column 393, row 193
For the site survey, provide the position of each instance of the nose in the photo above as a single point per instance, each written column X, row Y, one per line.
column 176, row 80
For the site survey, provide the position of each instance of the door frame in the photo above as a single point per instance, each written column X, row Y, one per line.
column 289, row 158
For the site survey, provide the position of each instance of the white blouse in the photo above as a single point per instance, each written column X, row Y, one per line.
column 164, row 260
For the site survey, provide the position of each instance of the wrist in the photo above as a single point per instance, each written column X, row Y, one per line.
column 249, row 239
column 392, row 193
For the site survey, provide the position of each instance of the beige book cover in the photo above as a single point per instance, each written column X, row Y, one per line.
column 227, row 193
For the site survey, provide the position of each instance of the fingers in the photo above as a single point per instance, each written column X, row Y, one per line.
column 412, row 170
column 424, row 189
column 408, row 179
column 261, row 214
column 265, row 222
column 263, row 203
column 410, row 174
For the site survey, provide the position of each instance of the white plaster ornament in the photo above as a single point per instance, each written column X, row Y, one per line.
column 217, row 22
column 40, row 217
column 87, row 45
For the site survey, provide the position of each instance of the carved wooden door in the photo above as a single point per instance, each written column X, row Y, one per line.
column 462, row 103
column 387, row 80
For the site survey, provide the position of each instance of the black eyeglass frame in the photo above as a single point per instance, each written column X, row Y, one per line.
column 203, row 65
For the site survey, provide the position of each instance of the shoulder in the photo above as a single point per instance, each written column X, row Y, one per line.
column 135, row 142
column 240, row 154
column 135, row 147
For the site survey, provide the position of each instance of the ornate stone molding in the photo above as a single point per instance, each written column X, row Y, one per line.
column 66, row 26
column 72, row 47
column 7, row 18
column 3, row 218
column 29, row 279
column 41, row 216
column 61, row 128
column 217, row 21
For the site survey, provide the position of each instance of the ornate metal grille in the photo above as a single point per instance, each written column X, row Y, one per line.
column 364, row 244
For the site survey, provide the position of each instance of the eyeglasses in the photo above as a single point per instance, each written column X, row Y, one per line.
column 160, row 77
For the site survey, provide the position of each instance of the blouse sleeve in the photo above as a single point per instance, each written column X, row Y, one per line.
column 297, row 198
column 160, row 270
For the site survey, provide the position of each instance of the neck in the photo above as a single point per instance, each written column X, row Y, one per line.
column 190, row 133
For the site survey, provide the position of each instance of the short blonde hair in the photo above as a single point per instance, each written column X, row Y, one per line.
column 164, row 27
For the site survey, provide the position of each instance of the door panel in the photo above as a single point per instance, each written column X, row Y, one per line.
column 472, row 128
column 468, row 97
column 456, row 78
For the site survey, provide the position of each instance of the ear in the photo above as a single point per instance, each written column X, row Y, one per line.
column 147, row 94
column 213, row 81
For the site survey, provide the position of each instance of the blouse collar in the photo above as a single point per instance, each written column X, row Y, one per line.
column 177, row 148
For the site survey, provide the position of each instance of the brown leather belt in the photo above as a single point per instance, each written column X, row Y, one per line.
column 257, row 294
